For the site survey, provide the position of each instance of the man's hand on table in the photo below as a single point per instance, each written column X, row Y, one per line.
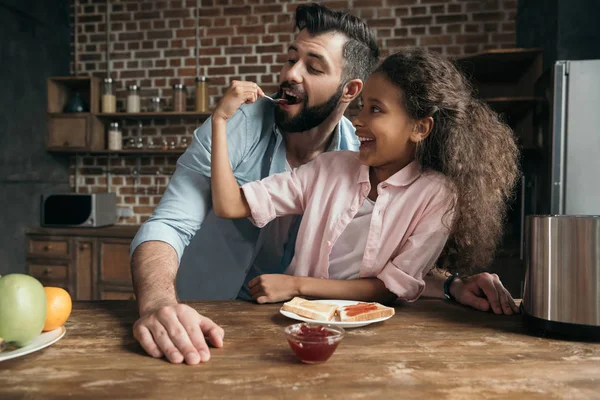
column 178, row 332
column 482, row 292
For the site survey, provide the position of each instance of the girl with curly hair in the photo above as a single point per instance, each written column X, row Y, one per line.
column 429, row 186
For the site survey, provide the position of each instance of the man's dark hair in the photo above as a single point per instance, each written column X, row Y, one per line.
column 361, row 53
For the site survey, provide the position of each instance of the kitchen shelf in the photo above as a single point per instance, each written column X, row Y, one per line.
column 124, row 152
column 498, row 65
column 155, row 115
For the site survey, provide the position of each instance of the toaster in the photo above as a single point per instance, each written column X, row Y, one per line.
column 562, row 278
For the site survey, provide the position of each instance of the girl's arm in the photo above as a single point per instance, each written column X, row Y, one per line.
column 227, row 198
column 271, row 288
column 366, row 289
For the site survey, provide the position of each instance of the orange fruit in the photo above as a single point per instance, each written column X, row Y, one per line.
column 58, row 307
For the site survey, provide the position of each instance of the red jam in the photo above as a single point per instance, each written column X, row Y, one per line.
column 359, row 308
column 313, row 344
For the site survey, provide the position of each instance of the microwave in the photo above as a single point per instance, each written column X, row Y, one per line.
column 64, row 210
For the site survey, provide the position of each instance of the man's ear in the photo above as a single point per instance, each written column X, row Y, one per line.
column 422, row 129
column 351, row 90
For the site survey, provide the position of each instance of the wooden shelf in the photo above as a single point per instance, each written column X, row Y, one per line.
column 154, row 115
column 497, row 65
column 69, row 115
column 142, row 152
column 513, row 107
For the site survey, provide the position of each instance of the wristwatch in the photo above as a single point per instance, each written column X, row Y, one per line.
column 447, row 284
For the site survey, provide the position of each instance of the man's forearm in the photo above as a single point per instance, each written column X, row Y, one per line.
column 371, row 289
column 154, row 267
column 434, row 283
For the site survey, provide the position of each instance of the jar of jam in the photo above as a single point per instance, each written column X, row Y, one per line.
column 313, row 343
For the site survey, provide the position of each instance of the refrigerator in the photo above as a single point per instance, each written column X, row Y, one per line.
column 575, row 138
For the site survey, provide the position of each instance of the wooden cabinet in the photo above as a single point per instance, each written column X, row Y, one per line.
column 74, row 131
column 90, row 264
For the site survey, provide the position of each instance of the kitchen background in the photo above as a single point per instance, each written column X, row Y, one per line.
column 154, row 44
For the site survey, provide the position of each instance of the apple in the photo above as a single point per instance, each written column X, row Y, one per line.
column 22, row 308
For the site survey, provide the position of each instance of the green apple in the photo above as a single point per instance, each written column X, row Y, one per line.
column 22, row 308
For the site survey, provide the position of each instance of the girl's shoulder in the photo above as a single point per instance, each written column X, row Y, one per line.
column 439, row 183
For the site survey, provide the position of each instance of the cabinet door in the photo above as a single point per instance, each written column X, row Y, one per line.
column 114, row 262
column 84, row 259
column 52, row 273
column 68, row 132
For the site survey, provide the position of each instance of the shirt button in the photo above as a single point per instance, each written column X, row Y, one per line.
column 353, row 209
column 329, row 244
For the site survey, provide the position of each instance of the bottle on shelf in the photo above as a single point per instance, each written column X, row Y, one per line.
column 109, row 99
column 133, row 99
column 115, row 137
column 202, row 99
column 179, row 97
column 155, row 104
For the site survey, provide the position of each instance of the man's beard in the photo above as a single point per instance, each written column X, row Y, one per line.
column 309, row 117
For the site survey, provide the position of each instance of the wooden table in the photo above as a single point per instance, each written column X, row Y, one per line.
column 430, row 349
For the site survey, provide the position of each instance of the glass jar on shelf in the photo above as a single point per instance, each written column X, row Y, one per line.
column 179, row 97
column 115, row 137
column 130, row 144
column 155, row 104
column 133, row 99
column 109, row 98
column 202, row 94
column 184, row 143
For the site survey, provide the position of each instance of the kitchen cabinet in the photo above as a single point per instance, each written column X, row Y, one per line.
column 91, row 264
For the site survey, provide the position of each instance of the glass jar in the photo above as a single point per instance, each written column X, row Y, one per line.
column 155, row 104
column 133, row 99
column 115, row 137
column 179, row 97
column 109, row 99
column 202, row 94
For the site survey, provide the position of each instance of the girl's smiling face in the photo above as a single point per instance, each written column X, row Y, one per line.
column 388, row 135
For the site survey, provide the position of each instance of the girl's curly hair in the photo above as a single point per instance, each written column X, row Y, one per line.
column 469, row 144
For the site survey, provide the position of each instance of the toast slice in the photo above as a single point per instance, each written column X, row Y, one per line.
column 364, row 312
column 310, row 309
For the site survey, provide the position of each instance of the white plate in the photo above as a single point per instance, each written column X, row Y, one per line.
column 45, row 339
column 335, row 321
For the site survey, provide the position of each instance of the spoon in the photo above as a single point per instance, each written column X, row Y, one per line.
column 276, row 101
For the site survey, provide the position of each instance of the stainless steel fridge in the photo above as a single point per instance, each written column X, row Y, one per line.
column 575, row 140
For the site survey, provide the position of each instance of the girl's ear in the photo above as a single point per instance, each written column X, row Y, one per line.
column 352, row 90
column 421, row 129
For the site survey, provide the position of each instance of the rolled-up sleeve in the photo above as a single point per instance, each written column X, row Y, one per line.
column 281, row 194
column 274, row 196
column 187, row 199
column 404, row 274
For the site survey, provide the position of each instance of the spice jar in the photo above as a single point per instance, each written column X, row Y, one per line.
column 115, row 137
column 109, row 99
column 133, row 99
column 179, row 97
column 202, row 94
column 155, row 105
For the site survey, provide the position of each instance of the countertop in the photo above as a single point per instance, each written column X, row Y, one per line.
column 429, row 349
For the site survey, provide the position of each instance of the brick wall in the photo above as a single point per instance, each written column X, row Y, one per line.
column 152, row 43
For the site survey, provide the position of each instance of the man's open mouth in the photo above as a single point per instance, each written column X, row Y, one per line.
column 291, row 97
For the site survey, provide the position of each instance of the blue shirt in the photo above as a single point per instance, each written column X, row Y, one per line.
column 256, row 150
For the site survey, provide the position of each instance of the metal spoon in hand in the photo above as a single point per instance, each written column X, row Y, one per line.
column 276, row 101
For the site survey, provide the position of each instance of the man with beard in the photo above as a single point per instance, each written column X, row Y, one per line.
column 330, row 58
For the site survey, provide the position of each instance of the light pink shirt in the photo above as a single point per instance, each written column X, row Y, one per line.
column 408, row 229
